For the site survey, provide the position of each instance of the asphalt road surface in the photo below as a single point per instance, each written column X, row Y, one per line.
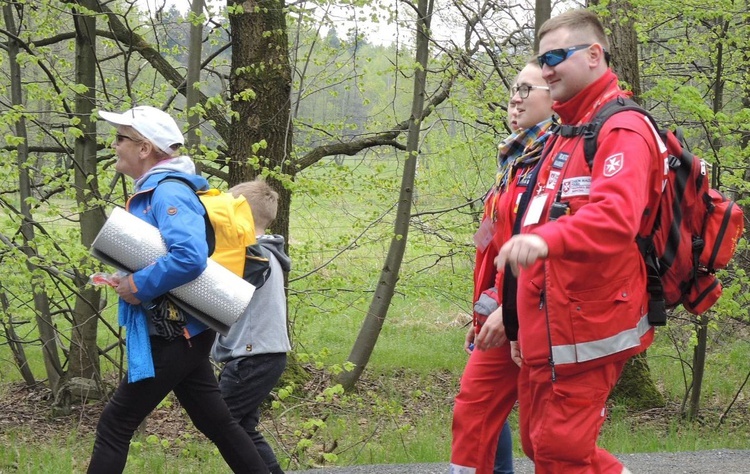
column 724, row 461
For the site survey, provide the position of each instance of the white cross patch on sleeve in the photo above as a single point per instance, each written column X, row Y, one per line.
column 613, row 165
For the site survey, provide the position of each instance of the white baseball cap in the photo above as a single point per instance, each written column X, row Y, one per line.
column 156, row 125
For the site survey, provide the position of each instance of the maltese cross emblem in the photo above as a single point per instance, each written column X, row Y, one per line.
column 613, row 165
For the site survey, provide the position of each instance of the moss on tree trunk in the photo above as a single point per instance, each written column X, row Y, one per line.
column 635, row 389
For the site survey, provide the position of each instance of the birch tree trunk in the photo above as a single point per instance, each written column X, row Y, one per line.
column 41, row 303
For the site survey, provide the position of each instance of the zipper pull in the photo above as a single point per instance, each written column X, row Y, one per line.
column 552, row 366
column 541, row 300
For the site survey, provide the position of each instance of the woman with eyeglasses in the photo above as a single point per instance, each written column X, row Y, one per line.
column 488, row 384
column 160, row 361
column 582, row 300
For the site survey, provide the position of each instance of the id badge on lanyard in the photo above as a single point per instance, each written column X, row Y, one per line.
column 548, row 181
column 536, row 207
column 484, row 234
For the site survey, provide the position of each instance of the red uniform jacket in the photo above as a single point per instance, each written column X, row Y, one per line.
column 500, row 207
column 587, row 304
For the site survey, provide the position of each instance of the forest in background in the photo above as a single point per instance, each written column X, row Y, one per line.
column 290, row 92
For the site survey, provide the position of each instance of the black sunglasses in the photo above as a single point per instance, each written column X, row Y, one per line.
column 120, row 138
column 554, row 57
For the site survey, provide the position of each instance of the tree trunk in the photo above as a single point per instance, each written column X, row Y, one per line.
column 635, row 389
column 260, row 138
column 389, row 274
column 623, row 41
column 699, row 366
column 84, row 353
column 14, row 343
column 701, row 347
column 41, row 302
column 542, row 13
column 195, row 54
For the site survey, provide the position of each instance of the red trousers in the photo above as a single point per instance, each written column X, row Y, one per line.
column 487, row 395
column 560, row 421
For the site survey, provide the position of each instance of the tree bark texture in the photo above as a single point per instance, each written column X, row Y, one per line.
column 623, row 42
column 84, row 353
column 542, row 13
column 194, row 75
column 260, row 88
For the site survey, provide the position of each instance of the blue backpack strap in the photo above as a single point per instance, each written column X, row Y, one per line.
column 210, row 235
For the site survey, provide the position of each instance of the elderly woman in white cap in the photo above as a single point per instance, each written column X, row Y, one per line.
column 167, row 349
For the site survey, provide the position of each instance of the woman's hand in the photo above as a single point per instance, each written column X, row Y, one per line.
column 492, row 333
column 125, row 290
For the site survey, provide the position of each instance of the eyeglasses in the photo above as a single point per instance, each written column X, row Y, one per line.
column 120, row 138
column 524, row 90
column 554, row 57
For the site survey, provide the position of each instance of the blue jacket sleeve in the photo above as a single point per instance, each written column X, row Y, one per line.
column 178, row 214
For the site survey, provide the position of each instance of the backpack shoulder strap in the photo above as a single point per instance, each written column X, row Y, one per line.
column 210, row 235
column 590, row 130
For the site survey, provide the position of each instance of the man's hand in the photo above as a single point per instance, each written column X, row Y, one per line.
column 124, row 290
column 521, row 251
column 492, row 333
column 515, row 353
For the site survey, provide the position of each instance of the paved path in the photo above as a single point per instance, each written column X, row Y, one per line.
column 724, row 461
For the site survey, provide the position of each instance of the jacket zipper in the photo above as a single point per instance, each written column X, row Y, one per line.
column 543, row 304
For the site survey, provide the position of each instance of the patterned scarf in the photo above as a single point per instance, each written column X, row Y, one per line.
column 520, row 150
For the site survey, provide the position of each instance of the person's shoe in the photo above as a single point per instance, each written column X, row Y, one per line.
column 625, row 470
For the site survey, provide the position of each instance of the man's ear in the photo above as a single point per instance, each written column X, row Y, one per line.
column 597, row 55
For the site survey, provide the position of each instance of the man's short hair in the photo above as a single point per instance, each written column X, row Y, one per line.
column 263, row 200
column 579, row 20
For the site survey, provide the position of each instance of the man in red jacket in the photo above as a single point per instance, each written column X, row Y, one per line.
column 582, row 301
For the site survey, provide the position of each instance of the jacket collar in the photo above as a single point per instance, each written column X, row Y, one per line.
column 581, row 107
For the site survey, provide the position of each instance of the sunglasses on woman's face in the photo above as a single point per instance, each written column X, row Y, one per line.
column 120, row 138
column 554, row 57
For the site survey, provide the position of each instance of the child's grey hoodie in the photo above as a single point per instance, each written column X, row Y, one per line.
column 262, row 328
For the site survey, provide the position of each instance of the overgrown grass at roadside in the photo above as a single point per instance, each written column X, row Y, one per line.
column 401, row 410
